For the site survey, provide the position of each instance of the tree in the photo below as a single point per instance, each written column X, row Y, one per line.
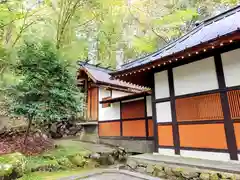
column 46, row 92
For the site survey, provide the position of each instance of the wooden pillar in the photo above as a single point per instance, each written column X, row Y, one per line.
column 228, row 123
column 175, row 129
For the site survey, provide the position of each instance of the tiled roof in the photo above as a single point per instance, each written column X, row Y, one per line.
column 210, row 29
column 101, row 75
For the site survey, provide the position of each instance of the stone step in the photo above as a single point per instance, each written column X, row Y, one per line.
column 225, row 166
column 175, row 167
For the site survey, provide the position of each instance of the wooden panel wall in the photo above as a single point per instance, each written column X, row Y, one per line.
column 234, row 103
column 203, row 136
column 93, row 103
column 133, row 123
column 150, row 128
column 165, row 136
column 237, row 133
column 205, row 107
column 133, row 109
column 109, row 129
column 134, row 128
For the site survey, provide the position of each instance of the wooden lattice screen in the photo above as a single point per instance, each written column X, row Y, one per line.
column 204, row 107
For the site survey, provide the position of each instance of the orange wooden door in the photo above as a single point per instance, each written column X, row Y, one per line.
column 93, row 104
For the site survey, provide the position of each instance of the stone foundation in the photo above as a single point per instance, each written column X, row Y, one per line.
column 139, row 146
column 173, row 172
column 89, row 133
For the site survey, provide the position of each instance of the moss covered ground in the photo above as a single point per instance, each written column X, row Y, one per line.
column 53, row 175
column 68, row 158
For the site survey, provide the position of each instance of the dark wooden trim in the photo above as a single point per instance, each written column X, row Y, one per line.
column 133, row 119
column 164, row 123
column 121, row 124
column 198, row 94
column 204, row 149
column 228, row 124
column 232, row 88
column 166, row 147
column 136, row 119
column 192, row 122
column 201, row 122
column 162, row 100
column 176, row 139
column 146, row 116
column 126, row 138
column 154, row 118
column 236, row 120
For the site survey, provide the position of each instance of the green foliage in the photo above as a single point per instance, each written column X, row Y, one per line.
column 46, row 91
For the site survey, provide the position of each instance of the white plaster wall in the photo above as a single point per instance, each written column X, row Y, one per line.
column 164, row 112
column 205, row 155
column 231, row 67
column 167, row 152
column 195, row 77
column 149, row 105
column 116, row 94
column 108, row 113
column 161, row 85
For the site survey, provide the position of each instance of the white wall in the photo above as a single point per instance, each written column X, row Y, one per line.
column 195, row 77
column 149, row 105
column 166, row 152
column 108, row 113
column 116, row 94
column 164, row 112
column 231, row 67
column 161, row 85
column 218, row 156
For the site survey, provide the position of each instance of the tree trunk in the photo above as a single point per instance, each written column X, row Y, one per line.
column 28, row 129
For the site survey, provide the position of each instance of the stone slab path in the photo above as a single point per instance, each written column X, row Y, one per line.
column 97, row 148
column 109, row 174
column 224, row 166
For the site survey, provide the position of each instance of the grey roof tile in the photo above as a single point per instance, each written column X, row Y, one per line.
column 209, row 29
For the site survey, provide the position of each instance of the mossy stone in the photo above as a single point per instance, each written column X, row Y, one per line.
column 150, row 168
column 77, row 160
column 177, row 171
column 6, row 170
column 214, row 176
column 65, row 163
column 168, row 171
column 204, row 176
column 17, row 160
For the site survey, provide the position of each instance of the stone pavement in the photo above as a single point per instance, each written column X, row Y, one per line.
column 111, row 174
column 97, row 148
column 224, row 166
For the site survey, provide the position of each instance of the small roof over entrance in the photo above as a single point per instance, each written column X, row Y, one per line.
column 101, row 76
column 128, row 97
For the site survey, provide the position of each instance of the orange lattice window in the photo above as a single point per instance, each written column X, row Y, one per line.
column 234, row 103
column 197, row 108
